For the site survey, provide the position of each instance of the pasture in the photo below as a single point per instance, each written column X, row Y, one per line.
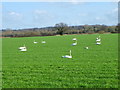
column 42, row 66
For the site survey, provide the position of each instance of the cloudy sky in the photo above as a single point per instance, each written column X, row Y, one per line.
column 16, row 15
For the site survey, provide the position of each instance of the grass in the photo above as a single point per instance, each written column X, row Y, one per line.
column 42, row 66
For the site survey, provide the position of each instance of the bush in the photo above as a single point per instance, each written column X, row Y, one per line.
column 101, row 32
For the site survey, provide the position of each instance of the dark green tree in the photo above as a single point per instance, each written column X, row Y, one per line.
column 61, row 28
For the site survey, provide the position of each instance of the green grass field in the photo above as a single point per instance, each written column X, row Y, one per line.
column 43, row 67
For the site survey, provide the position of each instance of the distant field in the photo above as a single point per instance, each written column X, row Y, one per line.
column 42, row 66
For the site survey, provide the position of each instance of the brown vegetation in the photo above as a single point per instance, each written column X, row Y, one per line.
column 60, row 29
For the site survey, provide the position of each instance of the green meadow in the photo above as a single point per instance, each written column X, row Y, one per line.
column 42, row 65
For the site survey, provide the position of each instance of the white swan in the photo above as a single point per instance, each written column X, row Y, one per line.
column 98, row 43
column 35, row 42
column 74, row 39
column 68, row 56
column 22, row 47
column 74, row 44
column 25, row 49
column 86, row 47
column 98, row 39
column 43, row 41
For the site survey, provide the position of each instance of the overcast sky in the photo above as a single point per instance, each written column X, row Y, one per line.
column 16, row 15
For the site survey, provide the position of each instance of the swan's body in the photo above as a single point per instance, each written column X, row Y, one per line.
column 98, row 43
column 25, row 49
column 43, row 42
column 74, row 44
column 98, row 40
column 68, row 56
column 22, row 47
column 74, row 39
column 35, row 42
column 86, row 47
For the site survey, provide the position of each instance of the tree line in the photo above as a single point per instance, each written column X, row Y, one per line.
column 60, row 29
